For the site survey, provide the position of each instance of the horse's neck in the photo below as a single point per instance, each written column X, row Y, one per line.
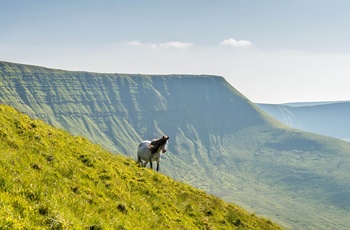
column 155, row 148
column 159, row 149
column 158, row 152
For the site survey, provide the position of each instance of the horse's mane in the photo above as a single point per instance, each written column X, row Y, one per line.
column 156, row 143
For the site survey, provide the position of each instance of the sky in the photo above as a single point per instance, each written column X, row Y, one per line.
column 272, row 51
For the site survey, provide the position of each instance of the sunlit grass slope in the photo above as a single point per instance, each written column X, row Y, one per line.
column 52, row 180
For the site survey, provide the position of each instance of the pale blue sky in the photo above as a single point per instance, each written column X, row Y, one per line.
column 270, row 50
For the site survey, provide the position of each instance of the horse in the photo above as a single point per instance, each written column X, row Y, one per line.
column 149, row 151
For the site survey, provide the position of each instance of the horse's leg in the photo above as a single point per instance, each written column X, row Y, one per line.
column 144, row 164
column 157, row 165
column 150, row 162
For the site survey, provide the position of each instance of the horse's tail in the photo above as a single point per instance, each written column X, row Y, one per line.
column 139, row 160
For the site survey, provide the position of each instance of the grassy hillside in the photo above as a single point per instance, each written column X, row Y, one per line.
column 52, row 180
column 220, row 142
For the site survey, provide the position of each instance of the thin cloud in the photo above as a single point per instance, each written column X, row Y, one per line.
column 178, row 45
column 235, row 43
column 173, row 44
column 134, row 43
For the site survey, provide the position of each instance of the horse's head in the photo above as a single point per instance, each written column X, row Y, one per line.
column 164, row 143
column 157, row 144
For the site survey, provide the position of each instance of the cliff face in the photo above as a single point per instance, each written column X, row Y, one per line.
column 119, row 110
column 219, row 140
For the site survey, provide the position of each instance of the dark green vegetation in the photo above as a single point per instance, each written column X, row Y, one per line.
column 219, row 140
column 327, row 118
column 52, row 180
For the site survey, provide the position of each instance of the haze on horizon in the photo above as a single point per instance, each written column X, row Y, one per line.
column 271, row 51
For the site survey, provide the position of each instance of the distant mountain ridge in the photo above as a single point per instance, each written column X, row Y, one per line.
column 219, row 140
column 315, row 103
column 326, row 118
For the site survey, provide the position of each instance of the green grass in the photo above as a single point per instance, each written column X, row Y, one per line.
column 52, row 180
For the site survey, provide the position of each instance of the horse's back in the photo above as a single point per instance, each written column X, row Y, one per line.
column 143, row 149
column 143, row 145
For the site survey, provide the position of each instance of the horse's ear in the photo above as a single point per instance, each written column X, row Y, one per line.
column 163, row 137
column 168, row 138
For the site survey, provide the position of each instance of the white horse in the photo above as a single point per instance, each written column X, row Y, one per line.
column 149, row 151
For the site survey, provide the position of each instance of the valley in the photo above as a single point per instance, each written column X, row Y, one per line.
column 219, row 141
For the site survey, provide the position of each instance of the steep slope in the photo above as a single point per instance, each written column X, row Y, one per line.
column 219, row 140
column 51, row 180
column 328, row 118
